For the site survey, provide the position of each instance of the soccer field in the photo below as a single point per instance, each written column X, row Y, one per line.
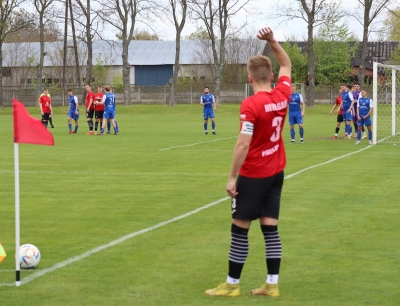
column 142, row 218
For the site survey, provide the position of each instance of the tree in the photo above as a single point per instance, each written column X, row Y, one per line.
column 179, row 11
column 216, row 16
column 371, row 9
column 199, row 34
column 122, row 15
column 12, row 20
column 333, row 53
column 314, row 13
column 391, row 25
column 142, row 35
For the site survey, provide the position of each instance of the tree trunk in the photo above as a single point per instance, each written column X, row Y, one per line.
column 64, row 81
column 172, row 101
column 361, row 72
column 39, row 70
column 311, row 67
column 126, row 68
column 89, row 66
column 77, row 66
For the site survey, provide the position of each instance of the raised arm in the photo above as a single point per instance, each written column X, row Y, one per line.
column 280, row 54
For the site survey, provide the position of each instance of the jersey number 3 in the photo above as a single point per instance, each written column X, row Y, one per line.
column 276, row 122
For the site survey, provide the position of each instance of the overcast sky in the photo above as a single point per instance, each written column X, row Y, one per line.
column 260, row 10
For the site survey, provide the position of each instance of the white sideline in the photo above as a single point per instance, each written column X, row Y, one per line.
column 62, row 264
column 196, row 143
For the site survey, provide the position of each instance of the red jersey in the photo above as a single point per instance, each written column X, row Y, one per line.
column 98, row 96
column 45, row 102
column 89, row 96
column 263, row 116
column 338, row 101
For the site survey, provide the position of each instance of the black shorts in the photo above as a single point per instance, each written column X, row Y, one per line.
column 90, row 113
column 339, row 118
column 99, row 114
column 45, row 117
column 257, row 197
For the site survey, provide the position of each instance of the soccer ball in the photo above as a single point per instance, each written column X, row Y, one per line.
column 29, row 256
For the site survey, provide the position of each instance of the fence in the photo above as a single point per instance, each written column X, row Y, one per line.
column 184, row 94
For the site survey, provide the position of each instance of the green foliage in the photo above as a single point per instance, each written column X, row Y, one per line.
column 99, row 72
column 391, row 24
column 299, row 62
column 199, row 34
column 142, row 35
column 117, row 83
column 333, row 53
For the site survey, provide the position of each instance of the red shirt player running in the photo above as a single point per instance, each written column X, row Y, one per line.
column 259, row 159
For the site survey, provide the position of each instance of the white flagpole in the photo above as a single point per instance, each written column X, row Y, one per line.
column 17, row 232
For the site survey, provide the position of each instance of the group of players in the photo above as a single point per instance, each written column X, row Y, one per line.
column 354, row 106
column 100, row 105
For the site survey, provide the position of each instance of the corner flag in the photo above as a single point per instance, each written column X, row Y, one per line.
column 26, row 130
column 2, row 253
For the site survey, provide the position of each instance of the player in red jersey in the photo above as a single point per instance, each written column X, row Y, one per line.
column 99, row 108
column 340, row 113
column 89, row 109
column 45, row 107
column 259, row 158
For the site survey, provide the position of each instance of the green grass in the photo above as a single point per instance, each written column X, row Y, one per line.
column 339, row 221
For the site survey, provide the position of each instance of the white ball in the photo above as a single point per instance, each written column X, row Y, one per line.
column 29, row 256
column 394, row 144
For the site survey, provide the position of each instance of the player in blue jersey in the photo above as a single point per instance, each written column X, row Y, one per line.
column 347, row 105
column 296, row 114
column 109, row 122
column 109, row 110
column 365, row 107
column 208, row 101
column 73, row 112
column 356, row 94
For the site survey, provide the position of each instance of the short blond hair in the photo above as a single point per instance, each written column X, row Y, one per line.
column 260, row 68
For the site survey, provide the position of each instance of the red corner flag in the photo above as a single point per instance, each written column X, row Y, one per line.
column 28, row 129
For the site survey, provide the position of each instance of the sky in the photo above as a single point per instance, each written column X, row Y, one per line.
column 258, row 15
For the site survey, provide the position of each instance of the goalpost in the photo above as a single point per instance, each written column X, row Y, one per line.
column 385, row 96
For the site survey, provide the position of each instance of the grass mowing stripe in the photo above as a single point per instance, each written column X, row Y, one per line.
column 148, row 229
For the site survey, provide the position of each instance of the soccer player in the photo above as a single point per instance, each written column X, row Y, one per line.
column 208, row 101
column 89, row 108
column 259, row 158
column 109, row 110
column 45, row 108
column 365, row 107
column 347, row 105
column 339, row 119
column 356, row 95
column 296, row 114
column 109, row 121
column 73, row 112
column 99, row 108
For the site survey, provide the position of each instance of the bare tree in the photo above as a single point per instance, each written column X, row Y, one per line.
column 371, row 9
column 64, row 75
column 178, row 7
column 122, row 15
column 217, row 16
column 77, row 66
column 314, row 13
column 10, row 22
column 42, row 7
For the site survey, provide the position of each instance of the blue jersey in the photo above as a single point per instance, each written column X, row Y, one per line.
column 207, row 100
column 347, row 98
column 73, row 101
column 364, row 104
column 109, row 102
column 295, row 100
